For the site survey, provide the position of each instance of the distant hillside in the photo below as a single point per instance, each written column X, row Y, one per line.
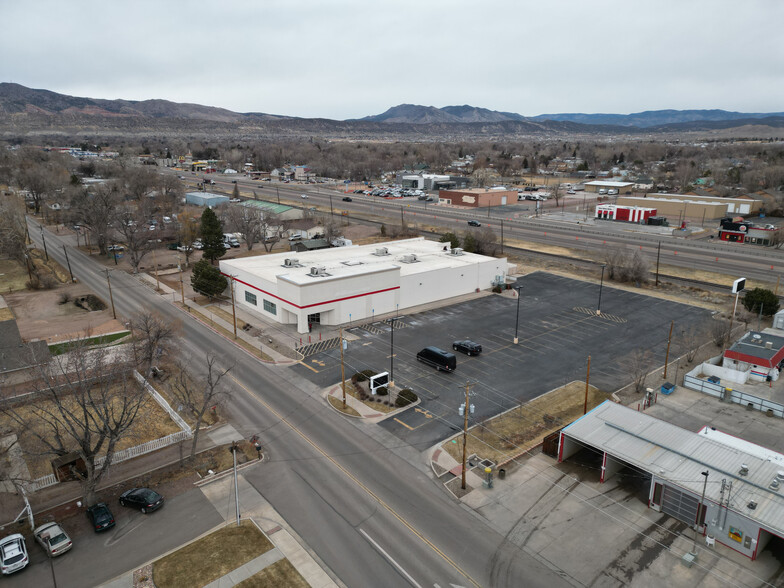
column 415, row 114
column 17, row 99
column 26, row 113
column 655, row 118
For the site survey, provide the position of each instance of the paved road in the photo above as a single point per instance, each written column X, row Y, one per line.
column 351, row 492
column 759, row 263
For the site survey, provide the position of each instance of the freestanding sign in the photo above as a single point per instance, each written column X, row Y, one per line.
column 378, row 381
column 738, row 285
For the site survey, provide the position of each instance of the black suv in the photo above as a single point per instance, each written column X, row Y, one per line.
column 467, row 347
column 100, row 516
column 474, row 223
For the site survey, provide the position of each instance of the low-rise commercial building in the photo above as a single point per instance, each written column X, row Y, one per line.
column 618, row 187
column 742, row 483
column 205, row 199
column 477, row 197
column 354, row 283
column 630, row 214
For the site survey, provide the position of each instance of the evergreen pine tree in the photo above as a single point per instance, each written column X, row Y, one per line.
column 212, row 236
column 207, row 279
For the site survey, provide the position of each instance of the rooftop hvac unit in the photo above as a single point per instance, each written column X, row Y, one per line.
column 291, row 262
column 410, row 258
column 457, row 251
column 318, row 270
column 381, row 251
column 768, row 344
column 774, row 485
column 744, row 470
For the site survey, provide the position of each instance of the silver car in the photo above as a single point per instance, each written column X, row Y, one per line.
column 53, row 539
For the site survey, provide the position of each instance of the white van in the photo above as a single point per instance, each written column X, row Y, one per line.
column 230, row 240
column 602, row 191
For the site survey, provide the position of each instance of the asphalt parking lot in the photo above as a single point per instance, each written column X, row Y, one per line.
column 558, row 329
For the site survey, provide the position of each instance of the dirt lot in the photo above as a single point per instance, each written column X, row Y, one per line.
column 509, row 434
column 40, row 314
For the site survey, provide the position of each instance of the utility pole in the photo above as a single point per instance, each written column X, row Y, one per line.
column 342, row 370
column 43, row 239
column 658, row 255
column 233, row 307
column 111, row 298
column 502, row 236
column 587, row 380
column 331, row 212
column 776, row 291
column 69, row 263
column 155, row 263
column 182, row 287
column 233, row 450
column 277, row 191
column 667, row 357
column 466, row 408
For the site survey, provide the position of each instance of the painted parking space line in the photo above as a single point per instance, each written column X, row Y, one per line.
column 307, row 366
column 404, row 424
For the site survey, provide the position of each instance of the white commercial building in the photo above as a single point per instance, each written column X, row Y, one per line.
column 346, row 284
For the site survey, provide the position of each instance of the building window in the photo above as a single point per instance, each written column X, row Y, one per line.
column 270, row 307
column 250, row 298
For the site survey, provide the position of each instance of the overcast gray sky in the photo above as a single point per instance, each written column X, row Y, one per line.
column 352, row 58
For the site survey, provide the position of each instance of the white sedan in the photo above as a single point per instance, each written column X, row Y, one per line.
column 53, row 539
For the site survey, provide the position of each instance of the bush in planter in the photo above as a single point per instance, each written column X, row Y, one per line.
column 405, row 397
column 382, row 391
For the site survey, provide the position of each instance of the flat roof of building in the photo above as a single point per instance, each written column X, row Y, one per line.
column 409, row 256
column 603, row 184
column 268, row 206
column 755, row 344
column 682, row 199
column 679, row 456
column 479, row 190
column 697, row 197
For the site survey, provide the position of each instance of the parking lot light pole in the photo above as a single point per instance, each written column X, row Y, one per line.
column 517, row 320
column 601, row 284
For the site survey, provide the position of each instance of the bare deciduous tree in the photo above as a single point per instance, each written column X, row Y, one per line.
column 85, row 403
column 640, row 365
column 245, row 220
column 96, row 210
column 200, row 396
column 153, row 334
column 131, row 224
column 720, row 331
column 12, row 230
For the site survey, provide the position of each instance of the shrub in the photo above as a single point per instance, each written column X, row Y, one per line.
column 382, row 391
column 758, row 299
column 359, row 377
column 497, row 289
column 405, row 397
column 65, row 298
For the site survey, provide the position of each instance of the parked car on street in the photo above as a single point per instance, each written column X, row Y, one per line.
column 348, row 199
column 474, row 223
column 13, row 554
column 53, row 539
column 100, row 516
column 467, row 346
column 303, row 196
column 144, row 499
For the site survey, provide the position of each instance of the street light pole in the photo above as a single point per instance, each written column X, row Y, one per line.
column 601, row 284
column 699, row 512
column 517, row 319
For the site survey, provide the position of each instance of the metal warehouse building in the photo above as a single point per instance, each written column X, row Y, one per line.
column 346, row 284
column 205, row 199
column 743, row 483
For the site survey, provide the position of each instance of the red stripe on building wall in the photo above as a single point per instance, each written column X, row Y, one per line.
column 315, row 303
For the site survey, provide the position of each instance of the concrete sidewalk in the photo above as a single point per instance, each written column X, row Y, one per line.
column 254, row 507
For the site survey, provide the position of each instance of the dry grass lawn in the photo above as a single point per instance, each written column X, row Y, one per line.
column 514, row 432
column 281, row 574
column 211, row 557
column 152, row 422
column 229, row 334
column 337, row 403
